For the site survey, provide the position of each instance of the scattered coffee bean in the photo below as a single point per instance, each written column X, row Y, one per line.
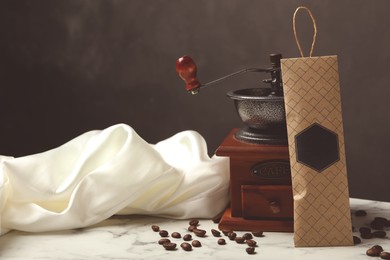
column 379, row 234
column 232, row 235
column 163, row 233
column 186, row 246
column 378, row 247
column 163, row 241
column 196, row 243
column 360, row 213
column 221, row 241
column 366, row 235
column 194, row 222
column 365, row 230
column 385, row 255
column 155, row 228
column 374, row 251
column 257, row 233
column 187, row 237
column 199, row 232
column 250, row 250
column 251, row 242
column 356, row 240
column 215, row 233
column 176, row 235
column 377, row 225
column 169, row 246
column 381, row 219
column 247, row 236
column 191, row 228
column 239, row 240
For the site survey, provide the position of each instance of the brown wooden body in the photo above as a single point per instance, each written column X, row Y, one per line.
column 260, row 197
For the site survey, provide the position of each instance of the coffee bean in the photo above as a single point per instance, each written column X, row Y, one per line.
column 250, row 250
column 247, row 236
column 163, row 233
column 221, row 241
column 383, row 222
column 215, row 233
column 199, row 232
column 385, row 255
column 194, row 222
column 258, row 233
column 163, row 240
column 169, row 246
column 360, row 213
column 196, row 243
column 374, row 251
column 378, row 247
column 377, row 225
column 155, row 228
column 191, row 228
column 379, row 234
column 239, row 240
column 356, row 240
column 176, row 235
column 364, row 230
column 387, row 223
column 187, row 237
column 381, row 219
column 366, row 235
column 186, row 246
column 251, row 242
column 232, row 235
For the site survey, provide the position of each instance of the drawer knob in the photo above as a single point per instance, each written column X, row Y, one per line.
column 274, row 206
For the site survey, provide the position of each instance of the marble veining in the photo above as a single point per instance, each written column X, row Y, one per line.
column 131, row 237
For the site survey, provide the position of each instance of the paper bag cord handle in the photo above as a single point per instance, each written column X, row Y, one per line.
column 295, row 31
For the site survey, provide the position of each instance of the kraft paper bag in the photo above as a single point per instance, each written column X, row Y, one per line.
column 316, row 145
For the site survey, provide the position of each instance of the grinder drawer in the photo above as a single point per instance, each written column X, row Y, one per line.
column 267, row 201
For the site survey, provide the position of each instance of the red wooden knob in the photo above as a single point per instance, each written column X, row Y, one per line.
column 186, row 68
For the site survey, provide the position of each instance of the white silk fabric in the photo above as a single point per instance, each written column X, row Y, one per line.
column 112, row 171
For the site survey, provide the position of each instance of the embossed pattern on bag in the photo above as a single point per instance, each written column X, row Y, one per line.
column 317, row 153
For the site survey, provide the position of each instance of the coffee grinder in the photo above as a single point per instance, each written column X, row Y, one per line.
column 260, row 178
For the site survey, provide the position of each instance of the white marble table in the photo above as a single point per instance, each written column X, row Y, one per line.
column 131, row 237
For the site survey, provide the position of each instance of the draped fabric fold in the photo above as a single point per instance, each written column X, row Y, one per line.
column 111, row 171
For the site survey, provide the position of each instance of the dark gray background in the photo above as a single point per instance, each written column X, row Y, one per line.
column 67, row 67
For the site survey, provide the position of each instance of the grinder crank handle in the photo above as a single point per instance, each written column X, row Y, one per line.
column 186, row 68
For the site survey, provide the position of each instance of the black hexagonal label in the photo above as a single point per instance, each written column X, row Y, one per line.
column 317, row 147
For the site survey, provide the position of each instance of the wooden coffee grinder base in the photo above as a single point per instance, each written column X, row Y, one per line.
column 260, row 187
